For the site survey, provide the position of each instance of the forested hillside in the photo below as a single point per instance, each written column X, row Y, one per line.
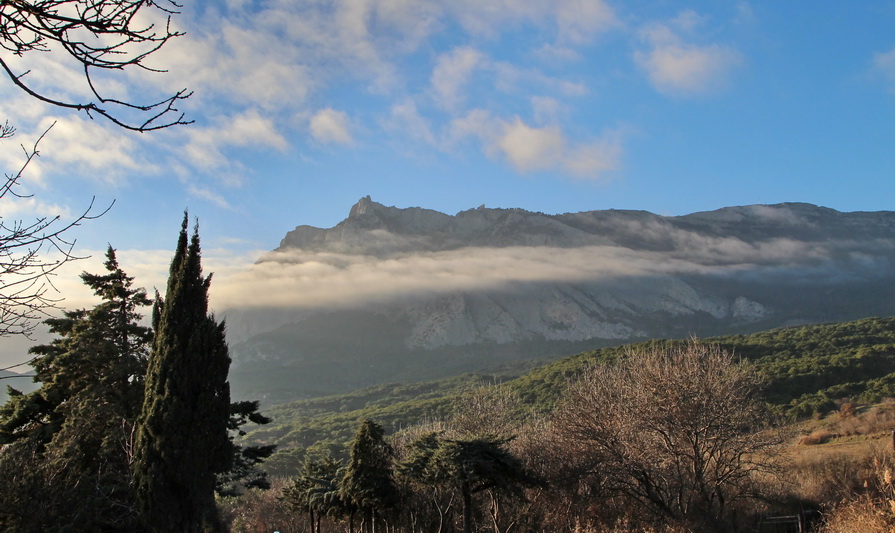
column 808, row 370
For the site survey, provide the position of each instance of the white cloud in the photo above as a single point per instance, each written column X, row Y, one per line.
column 405, row 118
column 478, row 123
column 106, row 154
column 535, row 149
column 510, row 78
column 684, row 69
column 76, row 146
column 592, row 160
column 249, row 128
column 451, row 74
column 575, row 21
column 53, row 74
column 531, row 149
column 486, row 19
column 331, row 126
column 305, row 279
column 678, row 68
column 546, row 109
column 237, row 60
column 209, row 195
column 12, row 207
column 579, row 21
column 261, row 62
column 150, row 270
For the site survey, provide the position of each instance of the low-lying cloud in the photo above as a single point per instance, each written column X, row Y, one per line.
column 302, row 279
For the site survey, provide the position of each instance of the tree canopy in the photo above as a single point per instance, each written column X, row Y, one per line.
column 677, row 430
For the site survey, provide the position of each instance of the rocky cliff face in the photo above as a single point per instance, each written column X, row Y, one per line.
column 636, row 275
column 372, row 228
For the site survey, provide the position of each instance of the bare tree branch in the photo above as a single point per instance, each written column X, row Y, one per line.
column 97, row 34
column 30, row 255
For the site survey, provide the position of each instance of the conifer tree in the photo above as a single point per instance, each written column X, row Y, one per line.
column 316, row 491
column 68, row 439
column 182, row 439
column 368, row 484
column 467, row 466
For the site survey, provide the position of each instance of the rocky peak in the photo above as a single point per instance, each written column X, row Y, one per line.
column 364, row 206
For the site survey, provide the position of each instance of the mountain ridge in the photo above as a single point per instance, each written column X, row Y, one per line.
column 515, row 227
column 511, row 284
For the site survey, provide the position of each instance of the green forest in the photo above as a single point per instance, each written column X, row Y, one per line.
column 809, row 370
column 133, row 429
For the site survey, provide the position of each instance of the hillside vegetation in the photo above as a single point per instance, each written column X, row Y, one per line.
column 809, row 370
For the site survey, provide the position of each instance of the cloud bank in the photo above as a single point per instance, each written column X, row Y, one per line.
column 305, row 280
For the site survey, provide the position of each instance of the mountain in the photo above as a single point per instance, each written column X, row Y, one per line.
column 392, row 294
column 20, row 382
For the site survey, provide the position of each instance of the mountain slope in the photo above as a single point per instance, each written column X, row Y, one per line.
column 809, row 369
column 410, row 294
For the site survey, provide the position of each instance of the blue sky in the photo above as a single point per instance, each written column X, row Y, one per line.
column 303, row 107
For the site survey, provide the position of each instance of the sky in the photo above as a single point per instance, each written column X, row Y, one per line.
column 302, row 107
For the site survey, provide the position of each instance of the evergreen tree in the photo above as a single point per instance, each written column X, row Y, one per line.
column 66, row 463
column 466, row 466
column 244, row 472
column 182, row 439
column 316, row 491
column 368, row 483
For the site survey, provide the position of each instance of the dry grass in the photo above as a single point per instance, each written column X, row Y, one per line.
column 844, row 463
column 870, row 512
column 819, row 436
column 861, row 515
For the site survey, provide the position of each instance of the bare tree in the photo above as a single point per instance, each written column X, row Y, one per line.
column 678, row 431
column 97, row 35
column 30, row 254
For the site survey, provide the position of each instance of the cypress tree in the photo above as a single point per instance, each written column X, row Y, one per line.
column 182, row 440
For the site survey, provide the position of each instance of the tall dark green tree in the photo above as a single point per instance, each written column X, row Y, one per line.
column 182, row 440
column 369, row 484
column 67, row 461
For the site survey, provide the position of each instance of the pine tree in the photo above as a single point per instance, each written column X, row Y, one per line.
column 68, row 439
column 244, row 472
column 368, row 484
column 316, row 491
column 466, row 466
column 182, row 439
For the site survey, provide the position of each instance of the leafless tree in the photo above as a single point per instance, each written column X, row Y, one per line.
column 679, row 431
column 30, row 254
column 97, row 35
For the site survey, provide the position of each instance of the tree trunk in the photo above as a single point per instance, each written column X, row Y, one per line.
column 467, row 508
